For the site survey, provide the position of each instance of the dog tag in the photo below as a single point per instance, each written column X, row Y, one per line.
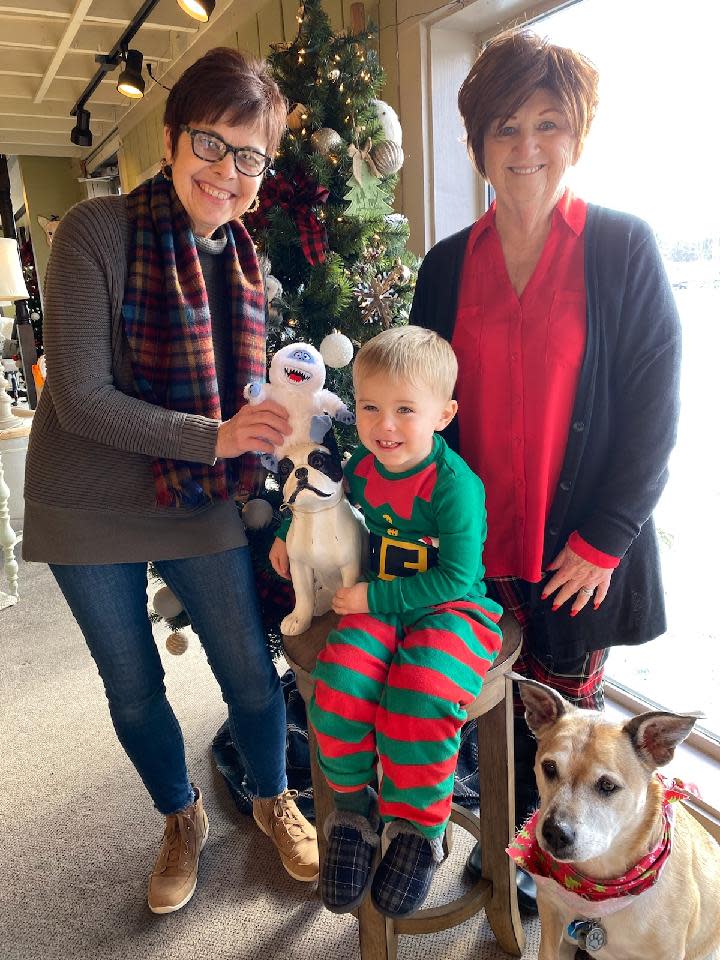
column 595, row 938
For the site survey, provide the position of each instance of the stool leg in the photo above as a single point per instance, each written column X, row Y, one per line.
column 322, row 795
column 378, row 940
column 497, row 816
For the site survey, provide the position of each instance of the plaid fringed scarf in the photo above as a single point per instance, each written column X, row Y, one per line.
column 167, row 322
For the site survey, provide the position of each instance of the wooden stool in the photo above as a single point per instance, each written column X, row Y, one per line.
column 494, row 828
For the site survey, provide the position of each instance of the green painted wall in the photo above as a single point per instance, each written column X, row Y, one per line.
column 51, row 187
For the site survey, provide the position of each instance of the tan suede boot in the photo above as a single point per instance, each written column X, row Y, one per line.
column 172, row 882
column 294, row 837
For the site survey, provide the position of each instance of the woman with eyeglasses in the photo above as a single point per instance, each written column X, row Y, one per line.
column 141, row 445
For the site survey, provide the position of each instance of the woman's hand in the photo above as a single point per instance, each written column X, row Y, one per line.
column 578, row 577
column 351, row 600
column 254, row 428
column 279, row 560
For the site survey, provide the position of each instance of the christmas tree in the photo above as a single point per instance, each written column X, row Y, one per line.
column 334, row 250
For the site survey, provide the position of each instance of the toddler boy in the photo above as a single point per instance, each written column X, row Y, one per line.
column 414, row 643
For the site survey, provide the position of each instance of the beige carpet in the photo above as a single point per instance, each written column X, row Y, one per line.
column 79, row 835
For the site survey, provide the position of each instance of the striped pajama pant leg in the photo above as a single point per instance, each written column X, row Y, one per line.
column 399, row 693
column 437, row 671
column 350, row 676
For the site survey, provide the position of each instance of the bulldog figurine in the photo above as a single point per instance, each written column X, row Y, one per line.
column 325, row 539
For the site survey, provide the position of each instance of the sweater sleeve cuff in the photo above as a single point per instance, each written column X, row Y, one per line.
column 587, row 552
column 199, row 439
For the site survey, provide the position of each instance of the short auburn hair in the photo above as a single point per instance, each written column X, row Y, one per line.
column 508, row 71
column 227, row 86
column 420, row 356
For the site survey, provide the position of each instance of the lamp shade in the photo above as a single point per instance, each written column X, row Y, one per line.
column 12, row 282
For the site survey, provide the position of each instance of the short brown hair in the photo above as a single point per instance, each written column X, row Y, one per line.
column 509, row 69
column 420, row 356
column 229, row 86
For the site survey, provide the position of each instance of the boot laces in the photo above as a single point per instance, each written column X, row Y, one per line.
column 178, row 832
column 287, row 812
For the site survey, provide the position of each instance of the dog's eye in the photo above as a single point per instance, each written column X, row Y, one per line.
column 549, row 768
column 285, row 466
column 317, row 460
column 606, row 786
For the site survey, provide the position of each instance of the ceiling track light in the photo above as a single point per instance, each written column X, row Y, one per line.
column 80, row 134
column 130, row 82
column 197, row 9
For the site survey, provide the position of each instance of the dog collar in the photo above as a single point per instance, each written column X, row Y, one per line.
column 606, row 896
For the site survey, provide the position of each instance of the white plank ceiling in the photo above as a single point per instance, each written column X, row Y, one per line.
column 47, row 58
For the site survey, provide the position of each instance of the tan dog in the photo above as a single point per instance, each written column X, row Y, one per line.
column 601, row 812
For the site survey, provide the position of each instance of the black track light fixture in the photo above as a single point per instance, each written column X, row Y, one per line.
column 80, row 134
column 197, row 9
column 130, row 82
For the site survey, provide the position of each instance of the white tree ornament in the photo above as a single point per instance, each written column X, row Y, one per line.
column 389, row 121
column 337, row 350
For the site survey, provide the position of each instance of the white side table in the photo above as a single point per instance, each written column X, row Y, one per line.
column 8, row 539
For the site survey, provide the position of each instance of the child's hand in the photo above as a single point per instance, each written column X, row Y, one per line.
column 351, row 600
column 279, row 558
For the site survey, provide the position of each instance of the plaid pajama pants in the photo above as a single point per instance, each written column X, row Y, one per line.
column 397, row 691
column 579, row 680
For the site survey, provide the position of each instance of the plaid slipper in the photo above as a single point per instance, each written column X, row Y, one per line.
column 404, row 875
column 348, row 863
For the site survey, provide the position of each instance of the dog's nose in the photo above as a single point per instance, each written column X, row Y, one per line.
column 558, row 835
column 301, row 473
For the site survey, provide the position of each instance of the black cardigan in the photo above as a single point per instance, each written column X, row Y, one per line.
column 623, row 425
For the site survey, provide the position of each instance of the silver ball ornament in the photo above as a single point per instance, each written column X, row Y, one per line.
column 177, row 643
column 326, row 141
column 166, row 604
column 257, row 514
column 336, row 350
column 388, row 157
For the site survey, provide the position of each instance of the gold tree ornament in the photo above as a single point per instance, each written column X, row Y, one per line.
column 297, row 117
column 177, row 643
column 326, row 141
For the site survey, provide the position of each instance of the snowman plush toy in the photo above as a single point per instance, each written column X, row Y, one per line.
column 297, row 382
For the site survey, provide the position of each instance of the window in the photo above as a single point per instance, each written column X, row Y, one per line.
column 650, row 153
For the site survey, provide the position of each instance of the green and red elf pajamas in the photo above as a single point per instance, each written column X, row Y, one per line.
column 394, row 684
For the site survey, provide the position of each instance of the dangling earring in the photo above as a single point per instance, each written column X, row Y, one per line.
column 166, row 169
column 254, row 205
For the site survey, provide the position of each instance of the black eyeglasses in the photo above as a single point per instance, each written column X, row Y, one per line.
column 209, row 146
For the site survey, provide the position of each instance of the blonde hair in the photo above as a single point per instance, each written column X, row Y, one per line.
column 420, row 356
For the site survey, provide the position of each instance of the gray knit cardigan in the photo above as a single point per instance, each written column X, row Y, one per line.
column 89, row 493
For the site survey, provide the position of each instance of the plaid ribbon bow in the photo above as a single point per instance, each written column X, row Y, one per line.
column 297, row 196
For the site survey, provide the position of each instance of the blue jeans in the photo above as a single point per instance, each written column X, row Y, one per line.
column 109, row 602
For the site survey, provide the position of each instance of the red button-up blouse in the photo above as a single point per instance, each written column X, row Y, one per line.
column 519, row 361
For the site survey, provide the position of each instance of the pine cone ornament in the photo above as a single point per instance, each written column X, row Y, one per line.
column 177, row 643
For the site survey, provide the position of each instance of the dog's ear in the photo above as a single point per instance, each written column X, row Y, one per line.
column 543, row 705
column 656, row 735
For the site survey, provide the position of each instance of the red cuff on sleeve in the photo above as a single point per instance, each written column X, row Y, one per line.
column 583, row 549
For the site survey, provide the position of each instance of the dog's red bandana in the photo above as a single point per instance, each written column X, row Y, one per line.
column 578, row 890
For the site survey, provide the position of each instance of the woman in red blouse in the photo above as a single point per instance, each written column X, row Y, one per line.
column 568, row 344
